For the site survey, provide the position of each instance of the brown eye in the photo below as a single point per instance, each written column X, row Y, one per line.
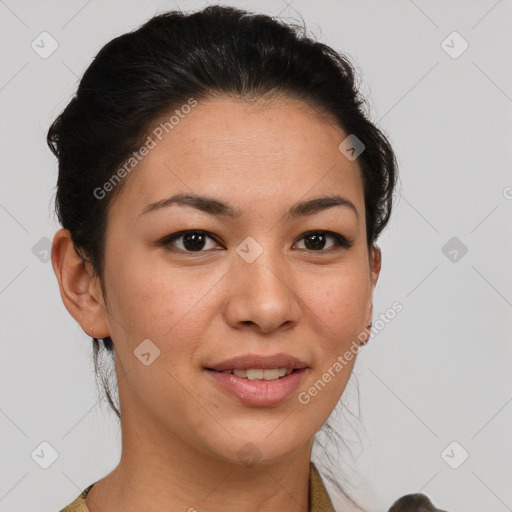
column 317, row 240
column 191, row 241
column 194, row 241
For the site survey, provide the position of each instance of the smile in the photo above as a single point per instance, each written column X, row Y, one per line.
column 259, row 374
column 258, row 387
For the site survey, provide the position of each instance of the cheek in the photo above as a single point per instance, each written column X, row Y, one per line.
column 338, row 306
column 163, row 305
column 139, row 293
column 150, row 299
column 340, row 301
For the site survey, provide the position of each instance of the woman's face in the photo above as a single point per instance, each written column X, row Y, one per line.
column 252, row 284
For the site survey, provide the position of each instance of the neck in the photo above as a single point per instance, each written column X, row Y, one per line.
column 159, row 471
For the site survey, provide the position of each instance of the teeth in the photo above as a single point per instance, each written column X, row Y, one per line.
column 260, row 374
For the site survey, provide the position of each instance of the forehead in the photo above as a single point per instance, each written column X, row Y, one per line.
column 242, row 150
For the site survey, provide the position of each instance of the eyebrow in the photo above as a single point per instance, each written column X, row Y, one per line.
column 217, row 208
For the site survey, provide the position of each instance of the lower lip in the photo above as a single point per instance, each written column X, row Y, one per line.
column 259, row 393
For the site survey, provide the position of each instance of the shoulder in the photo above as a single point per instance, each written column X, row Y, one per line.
column 79, row 504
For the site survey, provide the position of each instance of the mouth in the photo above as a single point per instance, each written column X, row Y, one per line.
column 258, row 387
column 266, row 374
column 259, row 380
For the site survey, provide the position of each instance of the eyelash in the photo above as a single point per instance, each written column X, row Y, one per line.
column 340, row 240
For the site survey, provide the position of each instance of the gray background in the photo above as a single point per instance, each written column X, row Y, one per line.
column 439, row 372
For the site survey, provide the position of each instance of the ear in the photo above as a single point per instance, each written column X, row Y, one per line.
column 375, row 265
column 80, row 289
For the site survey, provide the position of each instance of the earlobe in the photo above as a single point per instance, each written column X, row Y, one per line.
column 78, row 286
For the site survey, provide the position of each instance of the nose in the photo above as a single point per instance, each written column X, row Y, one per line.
column 262, row 295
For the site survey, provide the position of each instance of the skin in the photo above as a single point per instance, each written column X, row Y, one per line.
column 181, row 434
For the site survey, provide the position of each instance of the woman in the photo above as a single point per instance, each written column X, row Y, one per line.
column 221, row 192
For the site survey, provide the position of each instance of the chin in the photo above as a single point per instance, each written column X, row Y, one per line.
column 251, row 451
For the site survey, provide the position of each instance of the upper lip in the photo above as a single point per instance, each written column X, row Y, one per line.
column 247, row 361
